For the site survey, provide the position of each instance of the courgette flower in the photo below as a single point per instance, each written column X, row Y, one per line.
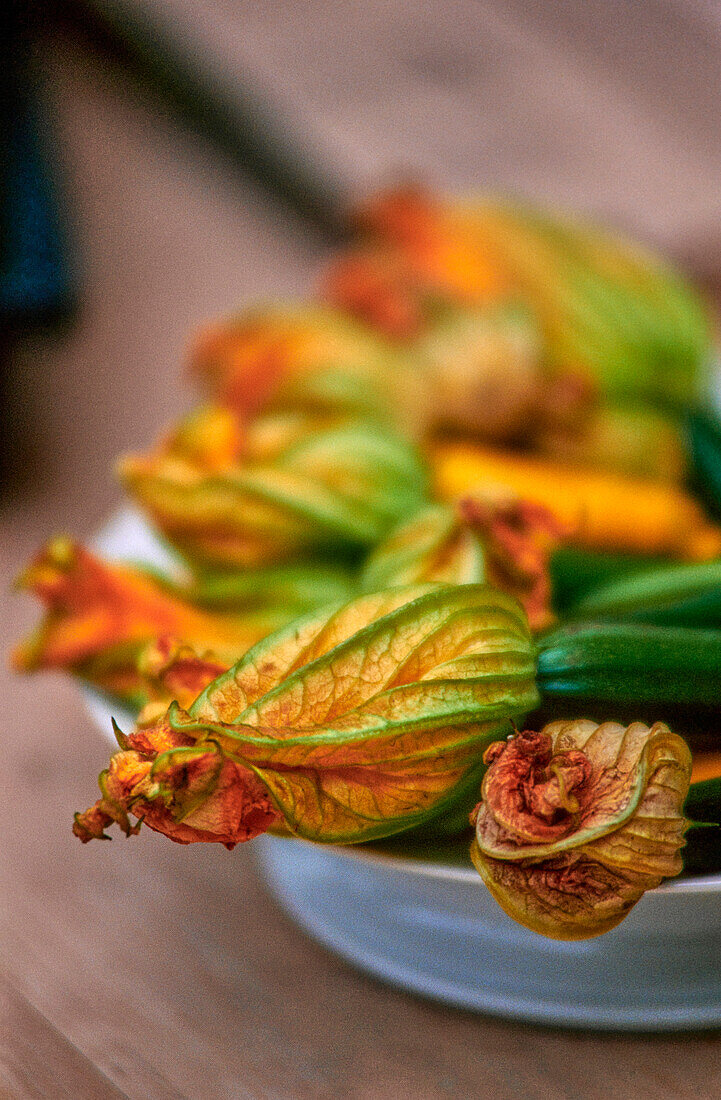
column 578, row 821
column 498, row 539
column 173, row 671
column 608, row 310
column 518, row 537
column 187, row 792
column 341, row 488
column 353, row 723
column 101, row 616
column 309, row 359
column 435, row 544
column 426, row 240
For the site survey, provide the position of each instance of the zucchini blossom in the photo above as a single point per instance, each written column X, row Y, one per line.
column 353, row 723
column 101, row 615
column 497, row 539
column 576, row 822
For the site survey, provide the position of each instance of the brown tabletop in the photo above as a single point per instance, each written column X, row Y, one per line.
column 169, row 972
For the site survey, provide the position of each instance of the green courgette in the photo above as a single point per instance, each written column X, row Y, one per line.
column 631, row 663
column 687, row 594
column 575, row 573
column 703, row 441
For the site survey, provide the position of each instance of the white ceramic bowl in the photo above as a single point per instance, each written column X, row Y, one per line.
column 422, row 918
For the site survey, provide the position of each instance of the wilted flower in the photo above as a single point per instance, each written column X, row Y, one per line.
column 428, row 237
column 352, row 723
column 442, row 281
column 518, row 537
column 433, row 545
column 343, row 487
column 500, row 540
column 577, row 279
column 578, row 821
column 101, row 615
column 306, row 359
column 188, row 792
column 173, row 671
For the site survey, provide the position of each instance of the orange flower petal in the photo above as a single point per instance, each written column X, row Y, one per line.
column 519, row 537
column 174, row 671
column 191, row 793
column 101, row 615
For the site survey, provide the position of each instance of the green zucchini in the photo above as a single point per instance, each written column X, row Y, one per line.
column 631, row 663
column 575, row 573
column 665, row 595
column 703, row 441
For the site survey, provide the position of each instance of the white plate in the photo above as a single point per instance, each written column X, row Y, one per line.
column 426, row 922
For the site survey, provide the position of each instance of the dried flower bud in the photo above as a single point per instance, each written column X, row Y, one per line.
column 518, row 537
column 578, row 821
column 604, row 306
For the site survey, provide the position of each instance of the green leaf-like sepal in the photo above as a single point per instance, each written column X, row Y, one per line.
column 286, row 591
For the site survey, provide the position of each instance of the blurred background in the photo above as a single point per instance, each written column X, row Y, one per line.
column 169, row 161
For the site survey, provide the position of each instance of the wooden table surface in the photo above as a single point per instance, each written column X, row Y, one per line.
column 169, row 972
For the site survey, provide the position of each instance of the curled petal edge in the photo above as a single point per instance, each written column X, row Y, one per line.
column 570, row 844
